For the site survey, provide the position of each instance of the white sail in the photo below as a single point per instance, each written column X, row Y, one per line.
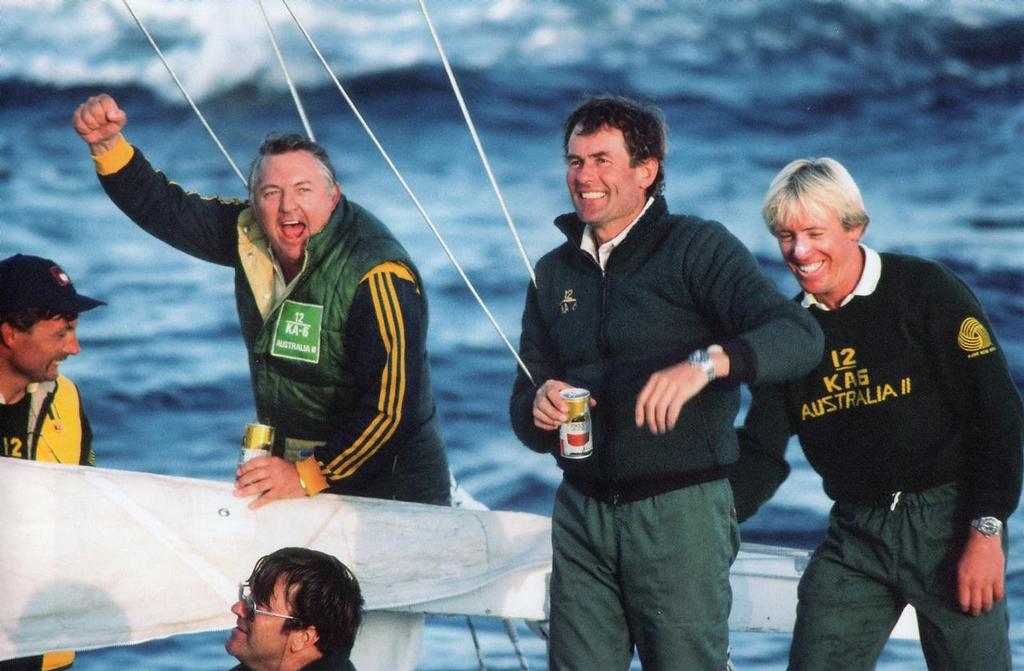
column 92, row 557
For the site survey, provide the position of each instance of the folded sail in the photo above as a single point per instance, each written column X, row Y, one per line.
column 92, row 557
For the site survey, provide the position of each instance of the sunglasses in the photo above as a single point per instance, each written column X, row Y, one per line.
column 245, row 596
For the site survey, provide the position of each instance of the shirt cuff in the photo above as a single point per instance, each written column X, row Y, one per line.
column 742, row 360
column 313, row 481
column 113, row 160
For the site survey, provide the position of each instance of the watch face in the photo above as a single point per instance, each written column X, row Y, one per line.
column 989, row 526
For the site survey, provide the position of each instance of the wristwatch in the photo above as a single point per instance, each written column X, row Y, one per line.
column 701, row 359
column 988, row 526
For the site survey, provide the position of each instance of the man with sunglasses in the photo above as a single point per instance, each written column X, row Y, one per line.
column 298, row 611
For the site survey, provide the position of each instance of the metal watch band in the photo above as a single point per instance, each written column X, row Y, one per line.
column 702, row 360
column 988, row 526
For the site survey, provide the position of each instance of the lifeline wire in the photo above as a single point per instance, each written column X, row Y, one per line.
column 408, row 190
column 476, row 644
column 476, row 141
column 287, row 76
column 195, row 109
column 513, row 636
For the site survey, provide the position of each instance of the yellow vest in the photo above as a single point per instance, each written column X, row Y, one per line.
column 55, row 424
column 59, row 440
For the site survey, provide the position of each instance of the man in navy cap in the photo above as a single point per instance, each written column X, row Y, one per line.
column 41, row 415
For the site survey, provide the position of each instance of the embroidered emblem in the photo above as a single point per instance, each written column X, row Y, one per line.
column 297, row 332
column 59, row 275
column 973, row 338
column 568, row 302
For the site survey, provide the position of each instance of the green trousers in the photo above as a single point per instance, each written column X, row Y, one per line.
column 651, row 574
column 873, row 562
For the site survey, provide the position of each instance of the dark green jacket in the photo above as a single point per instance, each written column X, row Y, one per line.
column 306, row 387
column 674, row 285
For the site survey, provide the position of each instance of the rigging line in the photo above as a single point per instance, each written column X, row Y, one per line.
column 409, row 192
column 476, row 140
column 188, row 98
column 287, row 76
column 476, row 644
column 513, row 636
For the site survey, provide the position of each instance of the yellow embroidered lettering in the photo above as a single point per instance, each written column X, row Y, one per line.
column 831, row 386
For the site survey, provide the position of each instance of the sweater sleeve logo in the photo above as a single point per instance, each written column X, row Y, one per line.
column 974, row 339
column 850, row 386
column 297, row 332
column 568, row 302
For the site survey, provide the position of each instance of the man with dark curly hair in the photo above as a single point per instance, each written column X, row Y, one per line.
column 298, row 611
column 660, row 317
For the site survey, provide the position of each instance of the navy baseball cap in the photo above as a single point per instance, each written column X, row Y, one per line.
column 34, row 282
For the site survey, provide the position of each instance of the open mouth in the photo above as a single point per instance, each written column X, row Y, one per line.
column 810, row 268
column 292, row 230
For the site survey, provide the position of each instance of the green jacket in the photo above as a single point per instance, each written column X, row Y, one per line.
column 304, row 380
column 675, row 284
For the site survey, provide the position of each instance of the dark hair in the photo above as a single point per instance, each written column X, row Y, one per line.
column 274, row 145
column 642, row 126
column 320, row 591
column 24, row 319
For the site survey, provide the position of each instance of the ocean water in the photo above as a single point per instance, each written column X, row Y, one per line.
column 922, row 101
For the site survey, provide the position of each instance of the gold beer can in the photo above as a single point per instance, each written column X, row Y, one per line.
column 574, row 436
column 257, row 441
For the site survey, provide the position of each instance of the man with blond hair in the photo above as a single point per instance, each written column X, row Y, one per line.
column 914, row 424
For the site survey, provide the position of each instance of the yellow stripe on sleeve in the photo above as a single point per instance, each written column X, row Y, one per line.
column 390, row 400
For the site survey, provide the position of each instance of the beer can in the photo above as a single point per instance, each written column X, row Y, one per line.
column 257, row 441
column 574, row 435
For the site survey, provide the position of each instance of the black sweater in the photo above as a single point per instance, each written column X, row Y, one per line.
column 913, row 391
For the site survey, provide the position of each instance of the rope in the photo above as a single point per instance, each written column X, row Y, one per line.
column 476, row 141
column 729, row 666
column 408, row 190
column 181, row 88
column 513, row 636
column 476, row 644
column 287, row 76
column 510, row 627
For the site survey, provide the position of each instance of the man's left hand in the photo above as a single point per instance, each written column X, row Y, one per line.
column 980, row 573
column 664, row 395
column 268, row 478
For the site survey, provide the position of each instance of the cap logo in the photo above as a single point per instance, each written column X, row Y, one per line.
column 61, row 276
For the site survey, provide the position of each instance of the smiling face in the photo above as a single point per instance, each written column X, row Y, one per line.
column 607, row 191
column 34, row 355
column 824, row 257
column 293, row 200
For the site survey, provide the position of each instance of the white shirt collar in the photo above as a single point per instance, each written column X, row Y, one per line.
column 602, row 253
column 869, row 277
